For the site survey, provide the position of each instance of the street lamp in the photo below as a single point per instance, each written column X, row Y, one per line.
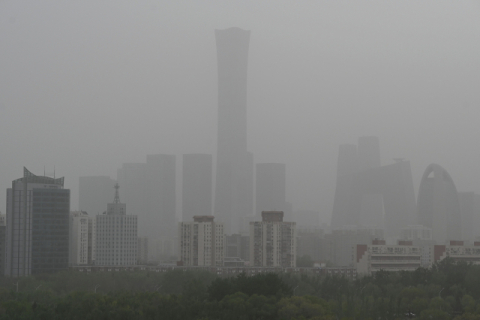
column 96, row 288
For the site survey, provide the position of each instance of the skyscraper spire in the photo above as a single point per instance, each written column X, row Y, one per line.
column 117, row 197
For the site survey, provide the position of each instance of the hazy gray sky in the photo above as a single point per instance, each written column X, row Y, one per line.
column 88, row 85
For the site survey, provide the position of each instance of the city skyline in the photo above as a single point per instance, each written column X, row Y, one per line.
column 123, row 85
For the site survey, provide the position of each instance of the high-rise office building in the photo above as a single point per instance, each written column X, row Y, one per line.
column 37, row 234
column 234, row 171
column 371, row 195
column 149, row 190
column 142, row 250
column 201, row 242
column 470, row 209
column 82, row 238
column 116, row 236
column 94, row 193
column 3, row 226
column 273, row 242
column 196, row 185
column 270, row 187
column 438, row 205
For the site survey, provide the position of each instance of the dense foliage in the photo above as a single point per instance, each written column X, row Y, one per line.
column 446, row 291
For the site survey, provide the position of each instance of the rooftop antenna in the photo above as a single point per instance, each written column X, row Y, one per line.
column 117, row 197
column 44, row 171
column 53, row 171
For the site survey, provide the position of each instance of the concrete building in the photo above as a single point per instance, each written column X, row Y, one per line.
column 116, row 236
column 270, row 187
column 344, row 241
column 37, row 237
column 201, row 242
column 93, row 193
column 197, row 185
column 310, row 242
column 368, row 194
column 142, row 250
column 273, row 241
column 438, row 204
column 458, row 251
column 3, row 226
column 149, row 189
column 379, row 256
column 470, row 210
column 234, row 171
column 237, row 246
column 82, row 238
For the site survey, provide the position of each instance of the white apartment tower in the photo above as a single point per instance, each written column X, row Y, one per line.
column 116, row 235
column 201, row 242
column 82, row 238
column 272, row 241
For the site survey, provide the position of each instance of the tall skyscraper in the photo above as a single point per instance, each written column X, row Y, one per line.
column 116, row 237
column 149, row 190
column 37, row 234
column 371, row 195
column 438, row 205
column 270, row 187
column 234, row 186
column 197, row 185
column 94, row 193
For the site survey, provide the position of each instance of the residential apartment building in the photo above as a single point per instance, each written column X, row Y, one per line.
column 82, row 238
column 273, row 241
column 201, row 242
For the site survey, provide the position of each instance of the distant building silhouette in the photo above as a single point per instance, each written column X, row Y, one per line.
column 37, row 234
column 438, row 205
column 470, row 209
column 234, row 171
column 270, row 187
column 368, row 194
column 149, row 190
column 94, row 193
column 197, row 185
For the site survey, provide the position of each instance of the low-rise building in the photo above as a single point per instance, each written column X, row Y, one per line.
column 457, row 251
column 379, row 256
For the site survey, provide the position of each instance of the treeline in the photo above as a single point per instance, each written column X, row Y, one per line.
column 448, row 290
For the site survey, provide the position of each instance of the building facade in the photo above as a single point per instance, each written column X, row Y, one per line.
column 82, row 238
column 196, row 185
column 438, row 204
column 458, row 251
column 368, row 194
column 116, row 236
column 142, row 250
column 234, row 166
column 270, row 187
column 379, row 256
column 273, row 241
column 237, row 246
column 201, row 242
column 37, row 233
column 3, row 227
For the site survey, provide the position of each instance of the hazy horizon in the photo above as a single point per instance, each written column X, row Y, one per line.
column 87, row 86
